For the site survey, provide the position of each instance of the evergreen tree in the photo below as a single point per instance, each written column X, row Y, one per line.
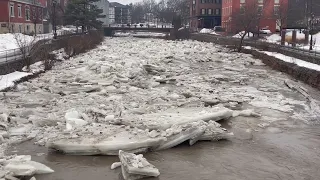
column 83, row 13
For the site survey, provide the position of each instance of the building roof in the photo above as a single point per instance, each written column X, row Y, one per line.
column 116, row 4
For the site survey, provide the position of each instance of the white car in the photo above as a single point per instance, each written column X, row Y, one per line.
column 265, row 31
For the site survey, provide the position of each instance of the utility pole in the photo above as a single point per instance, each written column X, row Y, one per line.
column 311, row 25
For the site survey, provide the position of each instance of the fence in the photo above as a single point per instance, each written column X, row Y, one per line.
column 11, row 55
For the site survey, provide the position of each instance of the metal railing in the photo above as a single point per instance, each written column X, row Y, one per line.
column 12, row 55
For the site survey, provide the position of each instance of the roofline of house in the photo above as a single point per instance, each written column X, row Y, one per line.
column 24, row 2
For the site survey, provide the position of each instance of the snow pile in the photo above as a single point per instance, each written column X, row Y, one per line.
column 8, row 41
column 274, row 38
column 8, row 80
column 296, row 61
column 205, row 31
column 136, row 166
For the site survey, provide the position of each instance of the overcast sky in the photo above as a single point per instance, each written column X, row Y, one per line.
column 125, row 1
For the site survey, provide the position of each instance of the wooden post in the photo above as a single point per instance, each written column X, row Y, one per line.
column 294, row 38
column 283, row 37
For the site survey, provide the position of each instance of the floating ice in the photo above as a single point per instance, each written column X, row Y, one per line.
column 24, row 166
column 136, row 166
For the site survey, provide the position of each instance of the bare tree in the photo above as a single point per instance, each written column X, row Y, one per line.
column 36, row 17
column 248, row 19
column 25, row 44
column 281, row 15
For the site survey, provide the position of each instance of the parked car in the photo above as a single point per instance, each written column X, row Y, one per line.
column 265, row 31
column 218, row 29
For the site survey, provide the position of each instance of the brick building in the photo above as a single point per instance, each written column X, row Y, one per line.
column 21, row 16
column 205, row 13
column 270, row 13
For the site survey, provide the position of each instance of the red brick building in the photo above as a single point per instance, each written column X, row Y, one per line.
column 205, row 13
column 21, row 16
column 270, row 13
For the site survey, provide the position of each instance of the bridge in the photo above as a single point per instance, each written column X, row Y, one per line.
column 109, row 31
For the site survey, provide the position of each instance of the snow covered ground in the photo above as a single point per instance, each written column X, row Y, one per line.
column 9, row 79
column 276, row 38
column 146, row 92
column 8, row 41
column 296, row 61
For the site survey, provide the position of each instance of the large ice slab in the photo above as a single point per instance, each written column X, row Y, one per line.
column 136, row 166
column 24, row 166
column 105, row 140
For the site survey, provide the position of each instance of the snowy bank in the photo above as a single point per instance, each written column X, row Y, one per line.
column 8, row 41
column 9, row 80
column 296, row 61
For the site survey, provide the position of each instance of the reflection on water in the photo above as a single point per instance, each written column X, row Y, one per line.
column 288, row 155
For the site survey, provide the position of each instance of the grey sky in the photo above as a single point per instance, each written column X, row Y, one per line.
column 125, row 1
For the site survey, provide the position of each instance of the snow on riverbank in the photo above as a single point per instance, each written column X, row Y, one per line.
column 9, row 79
column 146, row 93
column 8, row 41
column 296, row 61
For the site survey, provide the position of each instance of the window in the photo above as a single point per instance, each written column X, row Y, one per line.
column 260, row 8
column 276, row 9
column 260, row 1
column 19, row 10
column 203, row 1
column 40, row 14
column 203, row 11
column 218, row 1
column 12, row 10
column 242, row 1
column 209, row 11
column 20, row 28
column 242, row 8
column 34, row 13
column 193, row 1
column 276, row 1
column 12, row 28
column 218, row 11
column 27, row 14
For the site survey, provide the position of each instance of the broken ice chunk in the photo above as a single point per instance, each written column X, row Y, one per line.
column 26, row 167
column 214, row 132
column 115, row 165
column 136, row 166
column 73, row 119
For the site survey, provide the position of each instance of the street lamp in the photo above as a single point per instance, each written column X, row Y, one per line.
column 54, row 3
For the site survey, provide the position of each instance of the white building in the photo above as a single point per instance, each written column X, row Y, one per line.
column 104, row 5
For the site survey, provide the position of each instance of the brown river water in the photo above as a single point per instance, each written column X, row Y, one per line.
column 272, row 154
